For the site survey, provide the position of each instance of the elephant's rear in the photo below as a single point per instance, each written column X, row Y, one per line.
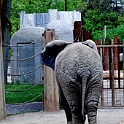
column 78, row 63
column 77, row 58
column 79, row 73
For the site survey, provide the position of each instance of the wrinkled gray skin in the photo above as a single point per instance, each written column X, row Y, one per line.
column 79, row 73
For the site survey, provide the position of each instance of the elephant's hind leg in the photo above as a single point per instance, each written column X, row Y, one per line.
column 92, row 112
column 93, row 94
column 73, row 96
column 66, row 107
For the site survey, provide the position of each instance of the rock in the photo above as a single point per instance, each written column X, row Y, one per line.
column 27, row 42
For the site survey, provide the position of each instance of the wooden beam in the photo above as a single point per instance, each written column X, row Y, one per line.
column 77, row 32
column 2, row 94
column 51, row 95
column 115, row 50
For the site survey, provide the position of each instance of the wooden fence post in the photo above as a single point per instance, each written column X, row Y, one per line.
column 51, row 95
column 77, row 32
column 116, row 53
column 2, row 94
column 106, row 59
column 86, row 35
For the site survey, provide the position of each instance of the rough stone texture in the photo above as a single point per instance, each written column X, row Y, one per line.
column 24, row 108
column 61, row 21
column 34, row 19
column 42, row 19
column 63, row 31
column 64, row 24
column 24, row 37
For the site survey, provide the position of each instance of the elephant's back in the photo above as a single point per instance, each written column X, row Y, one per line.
column 77, row 52
column 75, row 61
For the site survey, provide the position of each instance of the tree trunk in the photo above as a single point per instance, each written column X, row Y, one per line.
column 66, row 8
column 6, row 26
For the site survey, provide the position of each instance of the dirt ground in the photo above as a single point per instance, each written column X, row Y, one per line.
column 105, row 116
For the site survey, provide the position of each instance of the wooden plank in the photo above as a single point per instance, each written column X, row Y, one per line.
column 112, row 45
column 2, row 94
column 51, row 95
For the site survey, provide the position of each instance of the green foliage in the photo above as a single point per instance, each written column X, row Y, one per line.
column 119, row 31
column 74, row 4
column 30, row 6
column 10, row 53
column 21, row 97
column 110, row 33
column 97, row 35
column 95, row 20
column 96, row 14
column 37, row 6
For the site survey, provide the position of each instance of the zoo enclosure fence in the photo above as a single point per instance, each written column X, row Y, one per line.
column 112, row 94
column 25, row 74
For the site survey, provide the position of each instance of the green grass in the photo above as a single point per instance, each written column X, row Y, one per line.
column 21, row 97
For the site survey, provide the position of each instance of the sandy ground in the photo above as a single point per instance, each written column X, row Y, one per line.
column 109, row 116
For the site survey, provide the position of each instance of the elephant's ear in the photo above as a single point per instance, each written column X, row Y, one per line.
column 51, row 50
column 91, row 44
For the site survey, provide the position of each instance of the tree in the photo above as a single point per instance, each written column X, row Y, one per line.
column 6, row 27
column 66, row 6
column 97, row 14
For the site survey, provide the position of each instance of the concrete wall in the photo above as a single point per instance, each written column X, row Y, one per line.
column 31, row 27
column 42, row 19
column 23, row 39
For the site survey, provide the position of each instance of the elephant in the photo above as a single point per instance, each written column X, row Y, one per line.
column 79, row 74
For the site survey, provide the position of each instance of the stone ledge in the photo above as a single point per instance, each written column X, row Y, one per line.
column 12, row 109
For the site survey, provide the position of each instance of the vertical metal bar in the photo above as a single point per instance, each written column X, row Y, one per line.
column 102, row 92
column 2, row 93
column 115, row 53
column 112, row 71
column 104, row 34
column 119, row 85
column 110, row 61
